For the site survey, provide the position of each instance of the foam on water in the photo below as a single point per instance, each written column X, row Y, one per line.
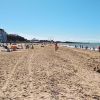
column 89, row 45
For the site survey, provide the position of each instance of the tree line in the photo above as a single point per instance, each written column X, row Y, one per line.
column 15, row 38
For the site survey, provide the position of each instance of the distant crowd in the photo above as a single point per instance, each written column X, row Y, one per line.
column 86, row 47
column 13, row 46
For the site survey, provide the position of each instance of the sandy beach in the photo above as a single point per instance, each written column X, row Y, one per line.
column 43, row 74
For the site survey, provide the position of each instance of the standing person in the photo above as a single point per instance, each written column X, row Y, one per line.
column 32, row 47
column 93, row 48
column 86, row 47
column 56, row 46
column 99, row 48
column 82, row 46
column 75, row 46
column 27, row 46
column 21, row 46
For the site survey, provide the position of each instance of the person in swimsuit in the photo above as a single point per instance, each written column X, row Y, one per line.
column 56, row 46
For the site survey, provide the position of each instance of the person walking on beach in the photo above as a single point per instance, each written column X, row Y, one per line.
column 56, row 46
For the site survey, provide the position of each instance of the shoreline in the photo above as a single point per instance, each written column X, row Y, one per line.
column 78, row 47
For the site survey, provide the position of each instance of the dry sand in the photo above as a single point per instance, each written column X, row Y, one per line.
column 43, row 74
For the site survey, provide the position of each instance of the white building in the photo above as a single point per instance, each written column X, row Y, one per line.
column 3, row 36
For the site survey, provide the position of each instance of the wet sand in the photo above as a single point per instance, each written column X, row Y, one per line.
column 43, row 74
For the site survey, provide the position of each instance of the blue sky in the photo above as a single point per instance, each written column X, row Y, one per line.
column 66, row 20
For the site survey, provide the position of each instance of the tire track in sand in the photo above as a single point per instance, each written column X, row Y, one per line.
column 33, row 56
column 12, row 72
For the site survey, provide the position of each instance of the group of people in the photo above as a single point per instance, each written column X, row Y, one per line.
column 86, row 47
column 55, row 46
column 29, row 46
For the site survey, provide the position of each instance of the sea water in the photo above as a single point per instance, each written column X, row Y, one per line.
column 78, row 45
